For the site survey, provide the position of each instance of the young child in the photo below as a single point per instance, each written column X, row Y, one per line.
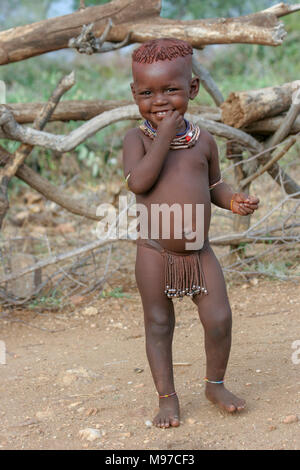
column 168, row 160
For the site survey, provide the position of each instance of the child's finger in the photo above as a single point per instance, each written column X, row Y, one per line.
column 246, row 210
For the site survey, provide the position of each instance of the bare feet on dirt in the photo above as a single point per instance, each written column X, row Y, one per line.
column 226, row 400
column 168, row 415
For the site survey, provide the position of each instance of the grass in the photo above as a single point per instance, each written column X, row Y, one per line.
column 117, row 293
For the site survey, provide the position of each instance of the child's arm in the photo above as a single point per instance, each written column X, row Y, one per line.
column 141, row 169
column 221, row 194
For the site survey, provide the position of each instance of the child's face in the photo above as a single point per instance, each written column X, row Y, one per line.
column 163, row 86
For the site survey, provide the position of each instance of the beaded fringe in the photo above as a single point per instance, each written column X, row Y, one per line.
column 183, row 275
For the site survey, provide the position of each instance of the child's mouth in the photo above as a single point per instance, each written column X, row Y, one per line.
column 160, row 113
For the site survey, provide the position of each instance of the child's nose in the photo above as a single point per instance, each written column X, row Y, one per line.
column 159, row 98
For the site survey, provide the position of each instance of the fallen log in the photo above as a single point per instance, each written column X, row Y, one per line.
column 83, row 110
column 53, row 34
column 270, row 125
column 141, row 19
column 242, row 108
column 64, row 143
column 68, row 110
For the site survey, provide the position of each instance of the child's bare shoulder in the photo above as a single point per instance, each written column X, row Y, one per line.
column 133, row 134
column 207, row 143
column 206, row 137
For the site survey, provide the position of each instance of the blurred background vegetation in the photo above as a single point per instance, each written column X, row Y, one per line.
column 107, row 76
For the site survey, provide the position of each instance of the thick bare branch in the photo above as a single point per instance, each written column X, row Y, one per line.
column 24, row 150
column 62, row 143
column 141, row 17
column 53, row 34
column 287, row 124
column 207, row 81
column 50, row 191
column 67, row 110
column 83, row 110
column 242, row 108
column 282, row 9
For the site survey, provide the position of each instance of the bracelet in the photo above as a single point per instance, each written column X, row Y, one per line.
column 215, row 184
column 231, row 202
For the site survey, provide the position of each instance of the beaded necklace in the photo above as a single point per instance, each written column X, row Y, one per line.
column 185, row 140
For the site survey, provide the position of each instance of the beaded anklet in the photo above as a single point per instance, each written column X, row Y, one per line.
column 167, row 395
column 213, row 381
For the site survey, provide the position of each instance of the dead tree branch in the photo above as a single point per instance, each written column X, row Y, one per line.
column 141, row 17
column 83, row 110
column 289, row 143
column 24, row 150
column 87, row 43
column 50, row 191
column 62, row 143
column 244, row 107
column 206, row 80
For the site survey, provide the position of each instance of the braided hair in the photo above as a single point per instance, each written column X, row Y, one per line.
column 161, row 49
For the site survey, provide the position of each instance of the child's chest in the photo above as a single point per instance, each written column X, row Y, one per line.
column 187, row 163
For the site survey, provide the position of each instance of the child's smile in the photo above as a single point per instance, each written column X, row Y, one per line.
column 161, row 87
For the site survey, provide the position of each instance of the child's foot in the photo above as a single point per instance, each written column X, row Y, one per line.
column 220, row 396
column 168, row 413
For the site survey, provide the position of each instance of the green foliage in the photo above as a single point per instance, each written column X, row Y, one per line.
column 193, row 9
column 117, row 292
column 50, row 302
column 89, row 3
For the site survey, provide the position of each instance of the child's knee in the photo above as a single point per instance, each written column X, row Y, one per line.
column 159, row 322
column 220, row 325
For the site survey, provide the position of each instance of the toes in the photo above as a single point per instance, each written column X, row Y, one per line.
column 174, row 421
column 241, row 406
column 165, row 422
column 235, row 407
column 230, row 408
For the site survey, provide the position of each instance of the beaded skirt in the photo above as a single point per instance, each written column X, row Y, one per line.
column 183, row 272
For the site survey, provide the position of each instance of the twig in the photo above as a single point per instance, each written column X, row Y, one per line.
column 207, row 81
column 64, row 256
column 34, row 326
column 87, row 43
column 289, row 143
column 287, row 123
column 24, row 150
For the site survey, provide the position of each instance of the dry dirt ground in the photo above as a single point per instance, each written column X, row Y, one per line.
column 86, row 368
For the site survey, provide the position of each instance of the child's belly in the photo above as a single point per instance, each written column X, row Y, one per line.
column 176, row 212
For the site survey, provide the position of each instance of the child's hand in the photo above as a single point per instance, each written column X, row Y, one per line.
column 243, row 204
column 169, row 125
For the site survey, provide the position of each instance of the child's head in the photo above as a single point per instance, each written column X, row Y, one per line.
column 162, row 74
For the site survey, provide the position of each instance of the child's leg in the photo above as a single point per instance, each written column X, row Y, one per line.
column 159, row 327
column 215, row 315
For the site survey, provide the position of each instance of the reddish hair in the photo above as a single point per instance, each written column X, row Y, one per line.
column 161, row 49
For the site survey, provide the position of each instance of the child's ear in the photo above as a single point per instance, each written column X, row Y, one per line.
column 133, row 91
column 194, row 87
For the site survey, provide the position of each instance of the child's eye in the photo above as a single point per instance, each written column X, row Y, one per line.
column 146, row 93
column 172, row 89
